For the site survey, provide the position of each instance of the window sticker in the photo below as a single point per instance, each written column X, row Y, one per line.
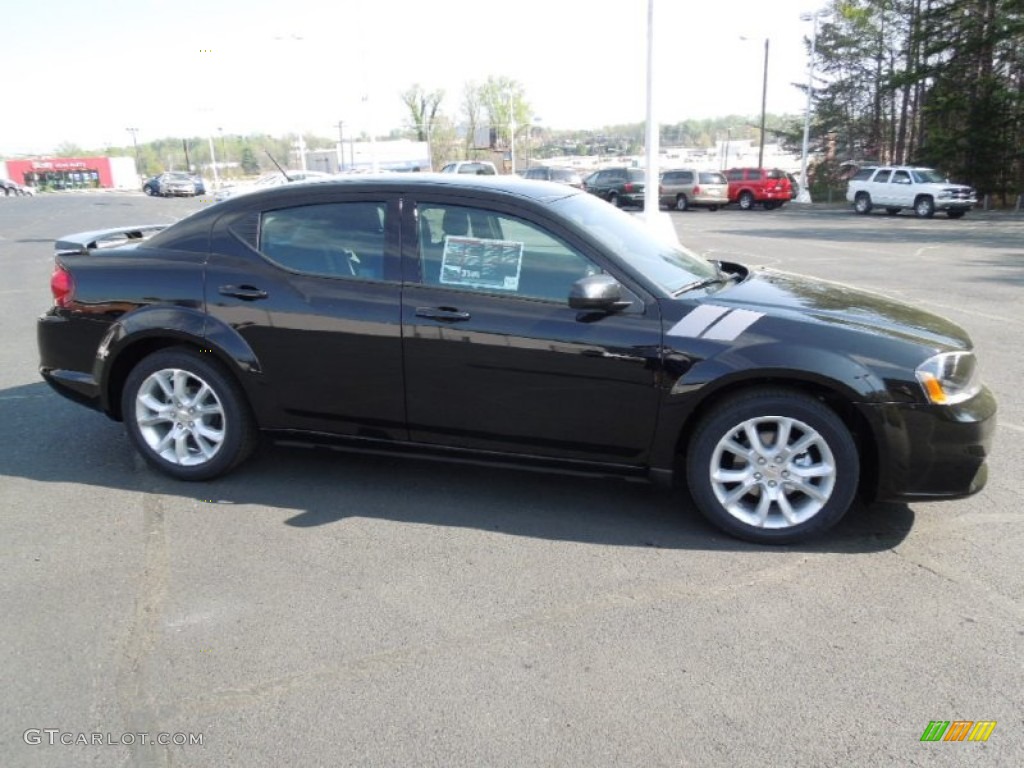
column 477, row 262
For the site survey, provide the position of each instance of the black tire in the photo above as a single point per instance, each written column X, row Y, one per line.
column 613, row 198
column 955, row 214
column 712, row 207
column 770, row 206
column 219, row 424
column 717, row 474
column 149, row 191
column 682, row 203
column 746, row 201
column 924, row 207
column 892, row 211
column 862, row 203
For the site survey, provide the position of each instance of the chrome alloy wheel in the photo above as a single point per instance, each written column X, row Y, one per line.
column 772, row 472
column 180, row 417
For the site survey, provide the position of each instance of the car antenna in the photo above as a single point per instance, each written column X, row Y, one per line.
column 282, row 170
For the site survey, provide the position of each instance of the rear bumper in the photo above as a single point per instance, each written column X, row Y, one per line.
column 930, row 452
column 67, row 351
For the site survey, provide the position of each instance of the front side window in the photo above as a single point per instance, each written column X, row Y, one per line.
column 754, row 175
column 734, row 175
column 329, row 240
column 481, row 250
column 711, row 177
column 901, row 177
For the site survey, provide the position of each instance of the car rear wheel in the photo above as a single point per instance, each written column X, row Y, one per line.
column 746, row 201
column 614, row 200
column 770, row 206
column 186, row 415
column 682, row 203
column 774, row 466
column 924, row 207
column 712, row 207
column 955, row 214
column 149, row 191
column 862, row 203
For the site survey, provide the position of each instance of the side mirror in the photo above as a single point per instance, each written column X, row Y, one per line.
column 597, row 292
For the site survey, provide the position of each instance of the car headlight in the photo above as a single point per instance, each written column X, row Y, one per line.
column 949, row 378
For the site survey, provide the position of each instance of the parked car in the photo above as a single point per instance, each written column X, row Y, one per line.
column 11, row 188
column 923, row 190
column 769, row 187
column 505, row 320
column 685, row 188
column 619, row 186
column 471, row 167
column 268, row 181
column 568, row 176
column 174, row 184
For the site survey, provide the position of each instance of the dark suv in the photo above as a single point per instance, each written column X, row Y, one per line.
column 619, row 186
column 770, row 187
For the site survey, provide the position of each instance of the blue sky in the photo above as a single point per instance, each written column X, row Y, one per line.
column 84, row 72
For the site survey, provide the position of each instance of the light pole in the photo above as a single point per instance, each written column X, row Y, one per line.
column 764, row 106
column 804, row 195
column 512, row 131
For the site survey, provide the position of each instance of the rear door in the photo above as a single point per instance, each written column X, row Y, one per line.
column 313, row 288
column 494, row 357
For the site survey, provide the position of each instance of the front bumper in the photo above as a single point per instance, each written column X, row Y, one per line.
column 932, row 452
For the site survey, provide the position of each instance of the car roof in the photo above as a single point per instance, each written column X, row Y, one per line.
column 492, row 188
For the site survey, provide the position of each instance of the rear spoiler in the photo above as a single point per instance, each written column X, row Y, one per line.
column 83, row 242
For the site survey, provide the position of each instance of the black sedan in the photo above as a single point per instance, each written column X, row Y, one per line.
column 500, row 319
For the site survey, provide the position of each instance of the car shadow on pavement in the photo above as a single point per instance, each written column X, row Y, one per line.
column 55, row 441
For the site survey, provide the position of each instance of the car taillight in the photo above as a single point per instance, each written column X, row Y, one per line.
column 628, row 187
column 696, row 189
column 62, row 285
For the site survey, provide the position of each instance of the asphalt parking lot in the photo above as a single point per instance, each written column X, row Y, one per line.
column 318, row 608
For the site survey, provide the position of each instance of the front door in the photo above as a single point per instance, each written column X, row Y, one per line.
column 494, row 357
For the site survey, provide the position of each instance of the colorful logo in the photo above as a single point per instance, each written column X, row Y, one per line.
column 958, row 730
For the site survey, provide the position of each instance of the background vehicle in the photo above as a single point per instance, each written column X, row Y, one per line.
column 685, row 188
column 894, row 188
column 619, row 186
column 472, row 167
column 174, row 184
column 327, row 311
column 268, row 181
column 769, row 187
column 568, row 176
column 11, row 188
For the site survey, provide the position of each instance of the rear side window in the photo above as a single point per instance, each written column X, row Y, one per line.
column 329, row 240
column 882, row 177
column 635, row 174
column 754, row 174
column 712, row 178
column 863, row 174
column 734, row 175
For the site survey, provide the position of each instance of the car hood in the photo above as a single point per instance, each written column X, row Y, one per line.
column 806, row 299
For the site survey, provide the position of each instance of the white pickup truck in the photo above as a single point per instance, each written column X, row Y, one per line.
column 895, row 187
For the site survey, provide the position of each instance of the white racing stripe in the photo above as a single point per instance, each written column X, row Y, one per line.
column 718, row 323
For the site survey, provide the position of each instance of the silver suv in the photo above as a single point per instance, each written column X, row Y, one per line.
column 684, row 188
column 894, row 188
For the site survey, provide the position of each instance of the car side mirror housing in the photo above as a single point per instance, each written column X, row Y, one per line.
column 602, row 293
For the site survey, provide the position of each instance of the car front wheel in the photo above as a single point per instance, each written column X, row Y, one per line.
column 773, row 466
column 924, row 207
column 862, row 203
column 746, row 201
column 186, row 415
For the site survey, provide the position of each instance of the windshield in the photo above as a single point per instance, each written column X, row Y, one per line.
column 670, row 267
column 929, row 176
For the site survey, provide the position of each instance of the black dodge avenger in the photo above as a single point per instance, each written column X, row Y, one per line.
column 505, row 320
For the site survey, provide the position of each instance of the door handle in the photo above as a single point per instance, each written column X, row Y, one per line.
column 445, row 314
column 246, row 292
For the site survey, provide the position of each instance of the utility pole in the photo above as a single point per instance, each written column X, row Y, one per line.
column 135, row 143
column 341, row 146
column 764, row 105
